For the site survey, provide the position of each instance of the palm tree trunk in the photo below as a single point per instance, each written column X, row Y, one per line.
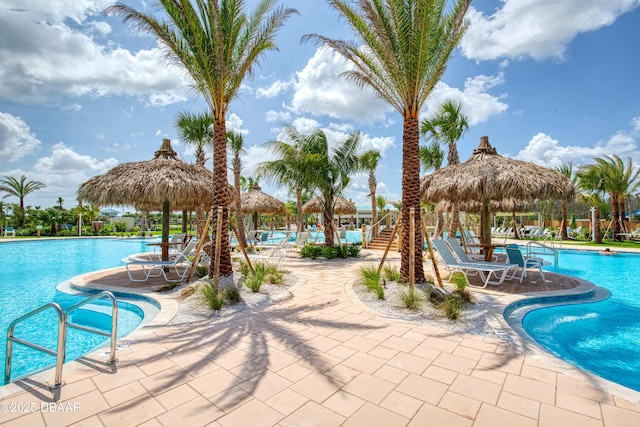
column 437, row 233
column 374, row 214
column 615, row 213
column 328, row 223
column 299, row 208
column 455, row 219
column 563, row 223
column 411, row 196
column 220, row 197
column 597, row 232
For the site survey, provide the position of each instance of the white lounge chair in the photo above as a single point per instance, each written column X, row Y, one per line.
column 524, row 262
column 274, row 253
column 9, row 231
column 156, row 268
column 490, row 273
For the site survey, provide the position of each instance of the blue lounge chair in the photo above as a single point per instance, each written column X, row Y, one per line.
column 524, row 262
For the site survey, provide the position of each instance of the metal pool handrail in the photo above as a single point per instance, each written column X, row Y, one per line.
column 63, row 323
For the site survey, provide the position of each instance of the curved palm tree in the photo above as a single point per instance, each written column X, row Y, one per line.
column 330, row 171
column 369, row 161
column 219, row 45
column 195, row 129
column 289, row 169
column 407, row 44
column 235, row 140
column 447, row 126
column 591, row 180
column 20, row 189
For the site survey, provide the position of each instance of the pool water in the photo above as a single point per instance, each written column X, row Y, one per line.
column 30, row 272
column 603, row 337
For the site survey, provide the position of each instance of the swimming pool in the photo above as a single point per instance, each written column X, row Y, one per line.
column 602, row 337
column 30, row 272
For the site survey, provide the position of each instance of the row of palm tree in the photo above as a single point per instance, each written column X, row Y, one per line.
column 401, row 54
column 20, row 188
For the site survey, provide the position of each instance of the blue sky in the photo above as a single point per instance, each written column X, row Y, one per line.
column 547, row 81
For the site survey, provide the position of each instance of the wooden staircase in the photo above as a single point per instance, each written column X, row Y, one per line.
column 381, row 242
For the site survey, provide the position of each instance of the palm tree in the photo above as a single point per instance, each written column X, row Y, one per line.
column 289, row 169
column 60, row 201
column 236, row 145
column 447, row 126
column 20, row 189
column 407, row 44
column 619, row 180
column 330, row 171
column 219, row 45
column 195, row 129
column 590, row 179
column 431, row 157
column 565, row 169
column 369, row 161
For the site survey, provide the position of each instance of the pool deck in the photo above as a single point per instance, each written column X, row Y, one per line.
column 319, row 356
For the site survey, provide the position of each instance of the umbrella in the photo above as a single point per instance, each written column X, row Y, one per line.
column 341, row 206
column 159, row 183
column 489, row 177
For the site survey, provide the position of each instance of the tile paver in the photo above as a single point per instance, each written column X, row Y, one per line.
column 321, row 357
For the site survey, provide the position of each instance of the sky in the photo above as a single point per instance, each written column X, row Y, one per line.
column 548, row 81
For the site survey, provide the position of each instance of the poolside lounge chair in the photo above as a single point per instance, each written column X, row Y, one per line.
column 463, row 256
column 490, row 273
column 524, row 262
column 302, row 238
column 155, row 268
column 273, row 253
column 9, row 231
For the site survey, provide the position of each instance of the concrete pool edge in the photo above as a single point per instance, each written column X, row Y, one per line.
column 168, row 308
column 504, row 314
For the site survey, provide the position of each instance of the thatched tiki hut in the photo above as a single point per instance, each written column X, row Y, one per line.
column 162, row 183
column 341, row 206
column 255, row 201
column 488, row 177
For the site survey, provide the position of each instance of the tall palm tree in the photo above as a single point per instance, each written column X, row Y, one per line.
column 565, row 169
column 590, row 179
column 369, row 161
column 431, row 157
column 195, row 129
column 619, row 180
column 447, row 126
column 219, row 45
column 407, row 44
column 289, row 169
column 235, row 140
column 20, row 189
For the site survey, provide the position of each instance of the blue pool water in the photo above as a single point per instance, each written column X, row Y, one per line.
column 604, row 337
column 30, row 272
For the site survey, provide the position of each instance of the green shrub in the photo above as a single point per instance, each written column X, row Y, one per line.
column 461, row 283
column 213, row 298
column 392, row 274
column 244, row 268
column 120, row 226
column 354, row 250
column 254, row 280
column 231, row 294
column 370, row 277
column 201, row 271
column 310, row 251
column 273, row 275
column 412, row 299
column 452, row 306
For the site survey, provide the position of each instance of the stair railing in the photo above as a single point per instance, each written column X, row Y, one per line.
column 375, row 230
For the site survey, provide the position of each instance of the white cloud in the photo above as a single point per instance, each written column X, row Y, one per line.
column 16, row 139
column 277, row 116
column 43, row 57
column 478, row 105
column 546, row 151
column 319, row 91
column 274, row 90
column 63, row 171
column 234, row 123
column 537, row 29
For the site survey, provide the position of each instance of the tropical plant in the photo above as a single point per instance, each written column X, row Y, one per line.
column 289, row 169
column 565, row 169
column 411, row 298
column 20, row 189
column 391, row 273
column 591, row 181
column 447, row 126
column 371, row 278
column 195, row 129
column 213, row 298
column 402, row 53
column 219, row 45
column 369, row 162
column 235, row 140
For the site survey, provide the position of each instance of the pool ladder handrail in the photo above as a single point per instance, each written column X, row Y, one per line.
column 63, row 323
column 552, row 249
